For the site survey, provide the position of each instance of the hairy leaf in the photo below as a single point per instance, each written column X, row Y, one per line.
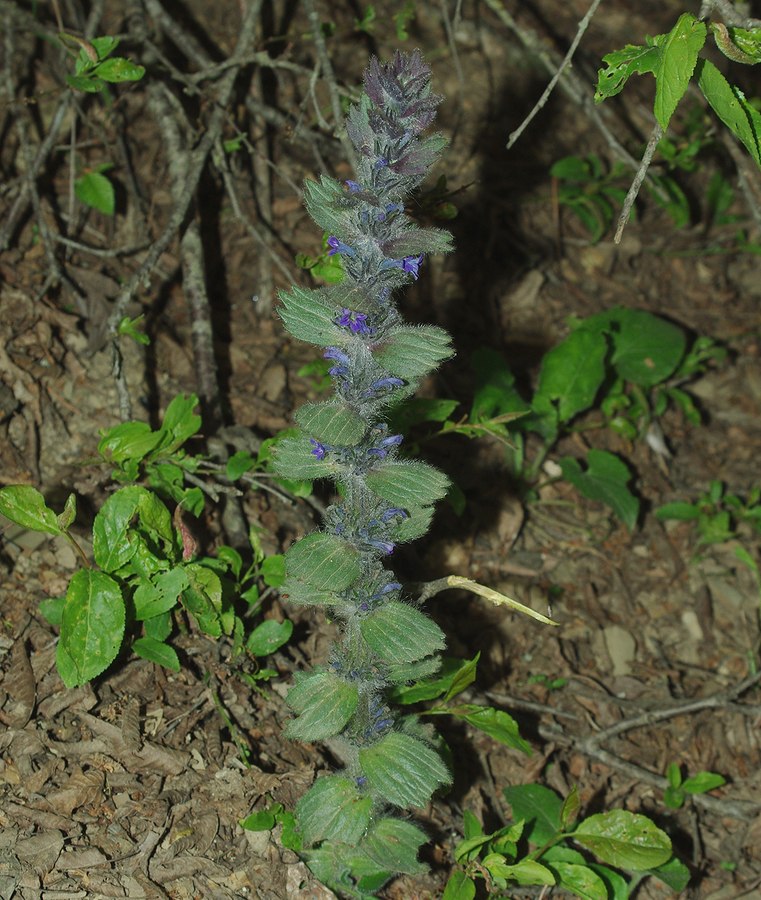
column 333, row 809
column 399, row 633
column 406, row 483
column 332, row 423
column 323, row 561
column 403, row 770
column 410, row 352
column 324, row 702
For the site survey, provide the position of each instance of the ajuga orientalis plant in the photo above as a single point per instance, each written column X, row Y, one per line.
column 352, row 838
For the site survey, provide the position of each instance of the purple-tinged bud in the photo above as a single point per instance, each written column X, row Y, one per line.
column 393, row 440
column 381, row 162
column 354, row 186
column 361, row 781
column 338, row 355
column 387, row 588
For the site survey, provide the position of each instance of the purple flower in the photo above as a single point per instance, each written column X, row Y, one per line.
column 356, row 322
column 385, row 547
column 392, row 440
column 411, row 264
column 336, row 246
column 382, row 384
column 318, row 450
column 381, row 162
column 336, row 354
column 394, row 512
column 354, row 186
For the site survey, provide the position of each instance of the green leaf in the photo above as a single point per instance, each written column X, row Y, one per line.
column 129, row 440
column 621, row 65
column 52, row 609
column 674, row 797
column 455, row 676
column 258, row 821
column 738, row 44
column 158, row 627
column 152, row 598
column 730, row 105
column 92, row 627
column 180, row 423
column 678, row 510
column 674, row 873
column 399, row 633
column 25, row 505
column 327, row 203
column 539, row 807
column 95, row 190
column 118, row 69
column 646, row 348
column 402, row 770
column 307, row 315
column 495, row 722
column 332, row 423
column 625, row 840
column 323, row 561
column 333, row 809
column 392, row 844
column 69, row 513
column 678, row 56
column 273, row 570
column 302, row 594
column 570, row 809
column 158, row 652
column 409, row 352
column 324, row 703
column 571, row 375
column 580, row 880
column 238, row 464
column 459, row 887
column 605, row 480
column 406, row 483
column 495, row 391
column 293, row 458
column 203, row 598
column 113, row 542
column 269, row 636
column 703, row 782
column 525, row 872
column 104, row 45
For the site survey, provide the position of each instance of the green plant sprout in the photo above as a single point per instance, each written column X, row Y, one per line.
column 718, row 515
column 94, row 69
column 674, row 60
column 546, row 844
column 146, row 565
column 679, row 787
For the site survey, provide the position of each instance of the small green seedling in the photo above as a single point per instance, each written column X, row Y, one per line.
column 590, row 192
column 453, row 678
column 545, row 844
column 548, row 682
column 94, row 67
column 680, row 788
column 95, row 190
column 629, row 364
column 717, row 513
column 146, row 565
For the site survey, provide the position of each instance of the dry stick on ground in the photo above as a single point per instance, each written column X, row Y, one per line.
column 583, row 25
column 571, row 84
column 631, row 195
column 196, row 162
column 330, row 79
column 13, row 13
column 590, row 745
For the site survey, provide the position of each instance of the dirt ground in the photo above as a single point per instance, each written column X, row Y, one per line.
column 132, row 786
